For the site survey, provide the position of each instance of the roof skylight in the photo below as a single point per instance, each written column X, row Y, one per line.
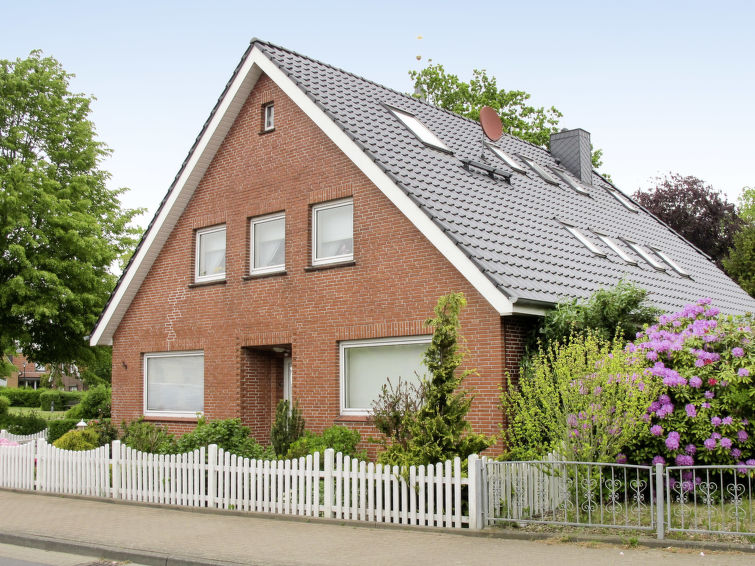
column 623, row 199
column 547, row 177
column 585, row 242
column 613, row 244
column 645, row 255
column 675, row 266
column 423, row 133
column 506, row 158
column 566, row 178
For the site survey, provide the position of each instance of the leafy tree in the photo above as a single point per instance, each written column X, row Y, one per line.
column 695, row 210
column 740, row 264
column 62, row 227
column 518, row 118
column 747, row 204
column 439, row 429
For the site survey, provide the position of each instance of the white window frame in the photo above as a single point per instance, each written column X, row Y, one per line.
column 345, row 345
column 421, row 132
column 506, row 158
column 198, row 237
column 616, row 248
column 566, row 178
column 336, row 258
column 261, row 220
column 644, row 254
column 169, row 414
column 675, row 266
column 584, row 241
column 624, row 200
column 269, row 117
column 540, row 170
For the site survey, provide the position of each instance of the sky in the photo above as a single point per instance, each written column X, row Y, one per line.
column 661, row 86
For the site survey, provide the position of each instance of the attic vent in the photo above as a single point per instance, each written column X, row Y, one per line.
column 423, row 133
column 675, row 266
column 566, row 178
column 506, row 158
column 547, row 177
column 583, row 239
column 645, row 255
column 616, row 248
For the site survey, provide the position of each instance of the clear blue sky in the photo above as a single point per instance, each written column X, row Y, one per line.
column 661, row 86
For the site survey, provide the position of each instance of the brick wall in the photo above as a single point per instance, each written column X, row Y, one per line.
column 389, row 290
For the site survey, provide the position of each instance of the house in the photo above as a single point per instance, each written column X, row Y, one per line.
column 29, row 374
column 315, row 222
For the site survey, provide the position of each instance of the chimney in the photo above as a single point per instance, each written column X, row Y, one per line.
column 572, row 148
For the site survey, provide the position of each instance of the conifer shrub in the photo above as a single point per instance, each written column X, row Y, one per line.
column 287, row 428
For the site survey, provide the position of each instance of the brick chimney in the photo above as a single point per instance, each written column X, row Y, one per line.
column 572, row 149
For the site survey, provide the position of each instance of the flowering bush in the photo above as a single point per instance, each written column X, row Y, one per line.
column 706, row 410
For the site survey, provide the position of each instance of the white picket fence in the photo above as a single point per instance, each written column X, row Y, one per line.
column 23, row 438
column 339, row 487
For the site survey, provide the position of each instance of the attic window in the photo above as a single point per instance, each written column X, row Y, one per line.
column 422, row 132
column 645, row 255
column 613, row 244
column 583, row 239
column 547, row 177
column 675, row 266
column 506, row 158
column 268, row 117
column 566, row 178
column 623, row 199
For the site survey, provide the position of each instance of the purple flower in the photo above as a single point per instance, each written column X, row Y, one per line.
column 715, row 421
column 710, row 443
column 656, row 430
column 705, row 405
column 684, row 460
column 742, row 435
column 725, row 443
column 704, row 301
column 652, row 355
column 737, row 352
column 743, row 372
column 690, row 449
column 691, row 410
column 750, row 462
column 695, row 382
column 662, row 460
column 736, row 453
column 745, row 422
column 672, row 442
column 709, row 395
column 664, row 399
column 571, row 420
column 727, row 420
column 621, row 459
column 716, row 435
column 699, row 363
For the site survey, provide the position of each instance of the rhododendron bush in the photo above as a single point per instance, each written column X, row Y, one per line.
column 705, row 413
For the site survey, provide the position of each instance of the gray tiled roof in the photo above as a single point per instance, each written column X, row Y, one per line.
column 510, row 230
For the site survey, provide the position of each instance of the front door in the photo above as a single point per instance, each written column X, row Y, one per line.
column 287, row 379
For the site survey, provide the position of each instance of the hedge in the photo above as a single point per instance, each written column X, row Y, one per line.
column 62, row 399
column 22, row 397
column 58, row 427
column 22, row 424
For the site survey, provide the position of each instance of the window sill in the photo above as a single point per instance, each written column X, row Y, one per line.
column 353, row 419
column 270, row 131
column 264, row 275
column 207, row 283
column 334, row 265
column 170, row 419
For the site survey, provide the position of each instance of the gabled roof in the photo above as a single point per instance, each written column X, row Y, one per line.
column 508, row 238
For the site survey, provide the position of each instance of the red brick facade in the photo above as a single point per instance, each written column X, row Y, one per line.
column 246, row 325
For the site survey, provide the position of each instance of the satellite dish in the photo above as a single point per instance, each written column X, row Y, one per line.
column 491, row 123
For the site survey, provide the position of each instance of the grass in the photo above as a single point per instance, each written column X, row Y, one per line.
column 47, row 415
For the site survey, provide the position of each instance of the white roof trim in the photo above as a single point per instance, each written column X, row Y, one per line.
column 200, row 159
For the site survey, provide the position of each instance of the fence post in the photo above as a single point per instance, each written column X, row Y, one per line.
column 212, row 460
column 115, row 461
column 474, row 475
column 328, row 507
column 659, row 496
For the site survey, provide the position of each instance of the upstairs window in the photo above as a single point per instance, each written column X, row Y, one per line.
column 506, row 158
column 268, row 117
column 333, row 232
column 268, row 244
column 210, row 254
column 544, row 175
column 624, row 200
column 675, row 266
column 616, row 248
column 566, row 178
column 583, row 239
column 422, row 132
column 645, row 255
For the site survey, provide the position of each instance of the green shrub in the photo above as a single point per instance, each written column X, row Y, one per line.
column 22, row 424
column 230, row 435
column 51, row 400
column 337, row 437
column 147, row 437
column 86, row 439
column 106, row 432
column 4, row 404
column 58, row 427
column 94, row 404
column 22, row 397
column 287, row 428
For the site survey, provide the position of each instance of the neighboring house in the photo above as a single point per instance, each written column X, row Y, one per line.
column 314, row 224
column 29, row 374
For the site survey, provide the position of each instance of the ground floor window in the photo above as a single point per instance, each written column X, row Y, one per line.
column 174, row 383
column 367, row 364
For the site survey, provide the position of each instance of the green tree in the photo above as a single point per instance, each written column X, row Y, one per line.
column 518, row 118
column 439, row 429
column 740, row 264
column 62, row 227
column 747, row 204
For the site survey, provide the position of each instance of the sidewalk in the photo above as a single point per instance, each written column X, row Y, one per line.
column 165, row 536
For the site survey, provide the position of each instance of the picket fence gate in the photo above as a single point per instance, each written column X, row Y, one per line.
column 338, row 487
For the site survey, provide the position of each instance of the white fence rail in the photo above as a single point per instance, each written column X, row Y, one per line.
column 337, row 487
column 23, row 438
